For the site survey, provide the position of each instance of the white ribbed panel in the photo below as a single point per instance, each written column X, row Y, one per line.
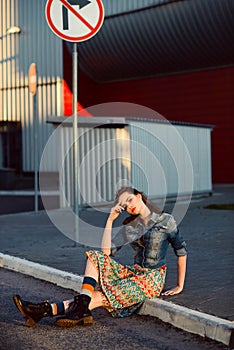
column 198, row 141
column 161, row 159
column 158, row 158
column 101, row 164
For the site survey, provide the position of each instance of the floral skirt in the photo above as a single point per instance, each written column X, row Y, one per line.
column 125, row 288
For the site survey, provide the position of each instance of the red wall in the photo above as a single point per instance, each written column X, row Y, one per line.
column 201, row 97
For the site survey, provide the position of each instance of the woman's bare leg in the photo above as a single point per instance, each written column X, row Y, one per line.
column 91, row 271
column 96, row 300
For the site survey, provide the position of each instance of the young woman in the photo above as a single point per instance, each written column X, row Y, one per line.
column 121, row 289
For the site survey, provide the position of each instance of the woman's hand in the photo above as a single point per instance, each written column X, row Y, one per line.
column 173, row 291
column 181, row 267
column 115, row 211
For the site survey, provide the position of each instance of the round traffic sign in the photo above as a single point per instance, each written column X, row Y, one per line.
column 74, row 20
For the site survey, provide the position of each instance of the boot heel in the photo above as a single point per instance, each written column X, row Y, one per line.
column 79, row 313
column 88, row 321
column 30, row 322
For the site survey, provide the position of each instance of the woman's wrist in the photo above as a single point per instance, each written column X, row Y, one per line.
column 109, row 220
column 180, row 286
column 109, row 224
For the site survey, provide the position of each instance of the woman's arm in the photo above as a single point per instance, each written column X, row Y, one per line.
column 181, row 271
column 106, row 238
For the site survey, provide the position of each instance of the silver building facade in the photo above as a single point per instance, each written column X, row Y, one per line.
column 35, row 43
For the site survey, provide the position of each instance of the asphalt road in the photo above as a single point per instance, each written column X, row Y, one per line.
column 135, row 332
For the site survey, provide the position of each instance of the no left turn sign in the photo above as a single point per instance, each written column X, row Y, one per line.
column 74, row 20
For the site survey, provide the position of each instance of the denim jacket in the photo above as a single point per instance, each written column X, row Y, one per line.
column 150, row 241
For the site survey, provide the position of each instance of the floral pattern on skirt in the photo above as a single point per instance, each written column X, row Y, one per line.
column 125, row 288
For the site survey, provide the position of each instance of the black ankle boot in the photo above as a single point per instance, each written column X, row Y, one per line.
column 32, row 312
column 78, row 313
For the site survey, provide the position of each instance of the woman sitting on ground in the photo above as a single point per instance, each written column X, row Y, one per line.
column 121, row 289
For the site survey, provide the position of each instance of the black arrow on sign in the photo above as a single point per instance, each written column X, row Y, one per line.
column 81, row 3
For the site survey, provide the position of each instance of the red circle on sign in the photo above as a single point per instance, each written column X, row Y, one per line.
column 93, row 30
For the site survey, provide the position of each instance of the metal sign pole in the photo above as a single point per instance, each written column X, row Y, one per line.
column 75, row 141
column 32, row 84
column 35, row 122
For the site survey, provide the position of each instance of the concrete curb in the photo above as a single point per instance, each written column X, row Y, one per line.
column 43, row 272
column 190, row 320
column 196, row 322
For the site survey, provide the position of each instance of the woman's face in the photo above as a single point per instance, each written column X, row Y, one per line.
column 132, row 203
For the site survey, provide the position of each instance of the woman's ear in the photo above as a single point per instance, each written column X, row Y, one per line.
column 139, row 195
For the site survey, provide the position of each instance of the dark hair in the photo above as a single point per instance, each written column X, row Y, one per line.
column 149, row 203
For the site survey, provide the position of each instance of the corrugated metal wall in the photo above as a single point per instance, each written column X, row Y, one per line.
column 36, row 43
column 161, row 159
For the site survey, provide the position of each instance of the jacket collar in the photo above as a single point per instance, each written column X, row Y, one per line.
column 152, row 219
